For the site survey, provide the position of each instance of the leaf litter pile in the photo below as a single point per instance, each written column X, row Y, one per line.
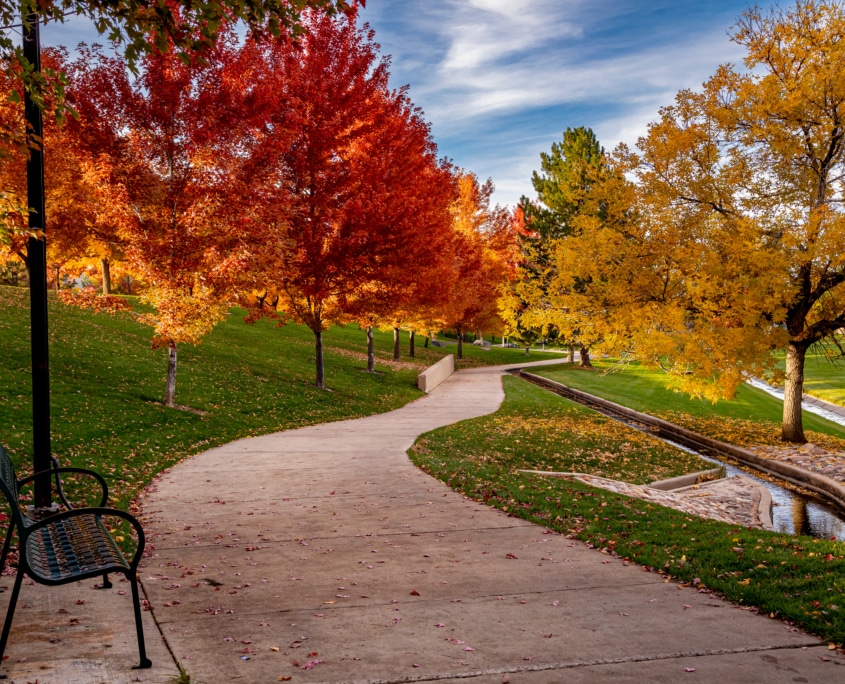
column 794, row 578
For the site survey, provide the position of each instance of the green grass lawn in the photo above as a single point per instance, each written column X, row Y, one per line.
column 106, row 385
column 752, row 417
column 799, row 579
column 824, row 378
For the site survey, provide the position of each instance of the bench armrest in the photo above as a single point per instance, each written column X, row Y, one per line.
column 98, row 512
column 68, row 469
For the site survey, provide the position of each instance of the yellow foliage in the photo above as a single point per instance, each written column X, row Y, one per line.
column 722, row 238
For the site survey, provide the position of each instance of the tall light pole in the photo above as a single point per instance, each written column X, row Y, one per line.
column 37, row 256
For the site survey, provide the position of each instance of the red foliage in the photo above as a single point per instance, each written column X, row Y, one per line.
column 357, row 204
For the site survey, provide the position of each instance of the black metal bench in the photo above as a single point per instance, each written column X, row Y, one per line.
column 67, row 546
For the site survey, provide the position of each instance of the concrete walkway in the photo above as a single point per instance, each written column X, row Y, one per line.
column 323, row 555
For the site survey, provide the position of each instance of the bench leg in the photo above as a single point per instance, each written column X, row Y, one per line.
column 10, row 613
column 142, row 650
column 6, row 544
column 106, row 584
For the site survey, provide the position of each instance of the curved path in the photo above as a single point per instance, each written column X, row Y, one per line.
column 327, row 544
column 326, row 548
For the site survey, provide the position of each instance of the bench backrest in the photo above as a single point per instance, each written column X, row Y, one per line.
column 9, row 484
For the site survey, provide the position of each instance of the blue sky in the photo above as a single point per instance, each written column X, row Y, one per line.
column 500, row 80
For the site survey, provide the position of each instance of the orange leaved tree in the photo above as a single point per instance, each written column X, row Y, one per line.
column 166, row 156
column 482, row 257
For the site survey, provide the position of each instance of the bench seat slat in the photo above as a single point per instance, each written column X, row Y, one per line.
column 73, row 546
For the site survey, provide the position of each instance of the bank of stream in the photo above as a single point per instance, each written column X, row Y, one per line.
column 793, row 511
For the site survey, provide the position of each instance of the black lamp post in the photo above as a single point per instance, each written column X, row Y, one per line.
column 37, row 256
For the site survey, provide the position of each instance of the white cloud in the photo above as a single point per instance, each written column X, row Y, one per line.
column 474, row 80
column 486, row 70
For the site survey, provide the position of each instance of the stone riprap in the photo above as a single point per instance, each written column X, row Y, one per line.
column 809, row 457
column 735, row 500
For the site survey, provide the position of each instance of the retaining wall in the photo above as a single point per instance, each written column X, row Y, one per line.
column 825, row 486
column 432, row 376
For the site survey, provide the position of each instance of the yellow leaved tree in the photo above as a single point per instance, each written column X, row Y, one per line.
column 722, row 238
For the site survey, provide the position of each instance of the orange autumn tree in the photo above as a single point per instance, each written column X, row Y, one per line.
column 482, row 257
column 68, row 197
column 355, row 188
column 165, row 155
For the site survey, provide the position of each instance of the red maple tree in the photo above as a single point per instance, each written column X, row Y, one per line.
column 359, row 197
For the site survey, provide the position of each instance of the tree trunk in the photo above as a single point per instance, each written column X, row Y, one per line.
column 57, row 278
column 527, row 350
column 793, row 391
column 396, row 350
column 170, row 389
column 411, row 349
column 106, row 276
column 129, row 285
column 585, row 358
column 318, row 358
column 460, row 344
column 371, row 352
column 426, row 342
column 571, row 353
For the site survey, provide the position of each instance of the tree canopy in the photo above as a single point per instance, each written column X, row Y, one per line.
column 721, row 238
column 543, row 302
